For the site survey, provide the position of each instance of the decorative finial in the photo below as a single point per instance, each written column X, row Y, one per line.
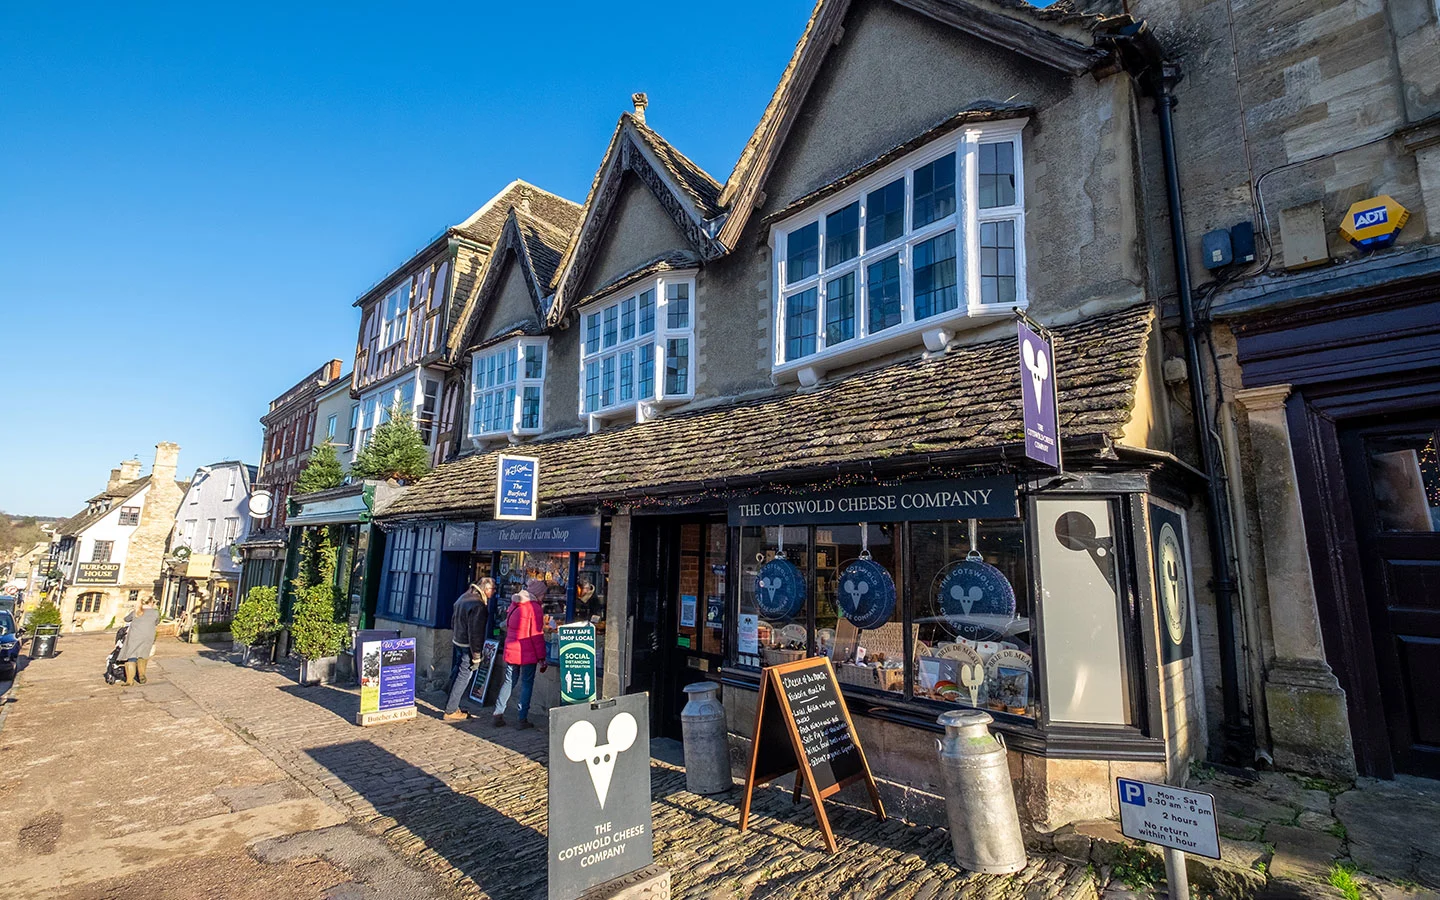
column 641, row 101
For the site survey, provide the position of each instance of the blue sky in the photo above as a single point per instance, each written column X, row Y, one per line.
column 191, row 197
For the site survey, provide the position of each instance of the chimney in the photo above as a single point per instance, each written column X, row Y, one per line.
column 129, row 470
column 167, row 456
column 114, row 482
column 525, row 194
column 641, row 101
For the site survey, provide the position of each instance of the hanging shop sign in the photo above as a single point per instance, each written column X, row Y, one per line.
column 559, row 534
column 260, row 503
column 867, row 594
column 1172, row 582
column 387, row 681
column 599, row 793
column 1375, row 223
column 459, row 536
column 98, row 573
column 577, row 663
column 992, row 497
column 802, row 726
column 1038, row 393
column 779, row 589
column 517, row 492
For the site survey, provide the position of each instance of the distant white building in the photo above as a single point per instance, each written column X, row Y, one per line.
column 210, row 523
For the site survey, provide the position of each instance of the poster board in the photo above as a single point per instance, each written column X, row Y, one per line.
column 484, row 672
column 803, row 726
column 387, row 681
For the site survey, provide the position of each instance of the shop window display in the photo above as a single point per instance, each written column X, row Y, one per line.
column 703, row 570
column 774, row 618
column 514, row 569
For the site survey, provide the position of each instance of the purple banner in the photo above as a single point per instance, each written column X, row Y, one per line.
column 1037, row 389
column 397, row 673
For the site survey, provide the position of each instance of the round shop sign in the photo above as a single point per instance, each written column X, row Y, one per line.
column 260, row 503
column 779, row 590
column 1173, row 589
column 867, row 594
column 974, row 588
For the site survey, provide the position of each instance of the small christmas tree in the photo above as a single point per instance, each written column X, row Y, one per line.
column 396, row 451
column 322, row 471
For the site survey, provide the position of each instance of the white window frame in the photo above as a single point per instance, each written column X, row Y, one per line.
column 934, row 331
column 395, row 315
column 641, row 408
column 230, row 486
column 477, row 393
column 331, row 425
column 209, row 536
column 232, row 531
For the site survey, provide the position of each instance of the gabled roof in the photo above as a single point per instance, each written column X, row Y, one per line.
column 688, row 194
column 82, row 520
column 906, row 409
column 536, row 246
column 1057, row 37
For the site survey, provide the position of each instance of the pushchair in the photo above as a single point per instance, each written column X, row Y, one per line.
column 114, row 665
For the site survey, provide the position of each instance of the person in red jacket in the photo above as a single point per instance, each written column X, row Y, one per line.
column 524, row 649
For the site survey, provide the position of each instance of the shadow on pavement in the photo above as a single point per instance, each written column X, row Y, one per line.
column 342, row 703
column 502, row 856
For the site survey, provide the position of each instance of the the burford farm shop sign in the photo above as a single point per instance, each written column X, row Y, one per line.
column 973, row 498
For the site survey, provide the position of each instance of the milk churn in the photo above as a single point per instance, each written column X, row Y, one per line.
column 984, row 826
column 707, row 751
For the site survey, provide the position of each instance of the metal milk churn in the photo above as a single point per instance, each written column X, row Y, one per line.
column 984, row 826
column 707, row 750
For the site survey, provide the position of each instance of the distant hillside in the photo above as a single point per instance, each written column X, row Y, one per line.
column 20, row 533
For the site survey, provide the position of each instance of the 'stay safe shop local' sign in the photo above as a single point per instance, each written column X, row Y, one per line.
column 802, row 726
column 971, row 498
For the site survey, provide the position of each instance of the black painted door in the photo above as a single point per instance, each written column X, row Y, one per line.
column 1395, row 488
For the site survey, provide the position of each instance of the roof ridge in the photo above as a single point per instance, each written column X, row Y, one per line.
column 649, row 133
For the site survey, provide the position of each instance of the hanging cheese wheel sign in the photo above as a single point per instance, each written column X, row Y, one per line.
column 973, row 587
column 867, row 594
column 779, row 589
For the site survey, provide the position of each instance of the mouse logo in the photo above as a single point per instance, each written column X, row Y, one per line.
column 581, row 745
column 1038, row 364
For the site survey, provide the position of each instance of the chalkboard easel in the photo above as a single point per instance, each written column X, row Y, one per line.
column 803, row 726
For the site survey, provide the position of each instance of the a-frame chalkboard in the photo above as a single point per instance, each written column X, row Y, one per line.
column 802, row 726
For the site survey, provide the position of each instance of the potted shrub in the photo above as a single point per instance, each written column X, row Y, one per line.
column 257, row 621
column 319, row 630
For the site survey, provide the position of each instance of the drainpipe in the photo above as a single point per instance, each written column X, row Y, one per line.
column 1236, row 734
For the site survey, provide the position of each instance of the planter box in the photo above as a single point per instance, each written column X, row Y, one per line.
column 318, row 671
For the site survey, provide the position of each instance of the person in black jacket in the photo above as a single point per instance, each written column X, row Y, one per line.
column 469, row 622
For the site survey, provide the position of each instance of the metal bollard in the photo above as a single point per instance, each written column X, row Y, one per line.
column 984, row 825
column 707, row 751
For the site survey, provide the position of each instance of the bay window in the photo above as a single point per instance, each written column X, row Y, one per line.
column 625, row 339
column 507, row 389
column 904, row 256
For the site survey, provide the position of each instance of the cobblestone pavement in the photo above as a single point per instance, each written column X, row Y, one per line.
column 469, row 801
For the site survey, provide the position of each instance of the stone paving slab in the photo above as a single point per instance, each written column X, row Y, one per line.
column 469, row 801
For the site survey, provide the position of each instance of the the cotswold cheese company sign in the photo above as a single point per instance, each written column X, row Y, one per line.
column 973, row 498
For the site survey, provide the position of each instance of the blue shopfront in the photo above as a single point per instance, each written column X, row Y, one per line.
column 429, row 564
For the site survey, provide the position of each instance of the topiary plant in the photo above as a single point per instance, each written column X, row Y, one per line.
column 46, row 613
column 257, row 620
column 321, row 472
column 319, row 628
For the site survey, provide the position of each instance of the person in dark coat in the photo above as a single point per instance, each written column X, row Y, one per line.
column 469, row 625
column 139, row 641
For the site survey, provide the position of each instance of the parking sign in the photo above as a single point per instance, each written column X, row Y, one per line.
column 1172, row 817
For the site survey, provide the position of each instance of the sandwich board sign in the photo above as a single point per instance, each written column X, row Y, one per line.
column 1174, row 818
column 387, row 681
column 802, row 726
column 599, row 793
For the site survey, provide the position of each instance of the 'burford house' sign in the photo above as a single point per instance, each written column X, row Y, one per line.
column 991, row 497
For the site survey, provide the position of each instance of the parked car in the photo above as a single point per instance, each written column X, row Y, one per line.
column 9, row 645
column 8, row 603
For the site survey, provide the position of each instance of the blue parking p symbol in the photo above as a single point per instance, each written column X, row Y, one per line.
column 1132, row 792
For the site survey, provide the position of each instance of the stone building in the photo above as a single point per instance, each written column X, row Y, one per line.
column 732, row 386
column 110, row 554
column 1303, row 123
column 289, row 437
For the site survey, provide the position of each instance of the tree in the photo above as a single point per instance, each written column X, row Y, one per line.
column 46, row 613
column 396, row 451
column 321, row 472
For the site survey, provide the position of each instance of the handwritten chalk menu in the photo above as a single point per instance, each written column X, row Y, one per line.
column 802, row 726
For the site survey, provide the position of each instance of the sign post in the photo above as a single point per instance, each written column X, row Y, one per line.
column 599, row 794
column 517, row 491
column 802, row 726
column 577, row 663
column 1180, row 820
column 1038, row 395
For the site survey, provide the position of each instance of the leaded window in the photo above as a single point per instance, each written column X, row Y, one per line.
column 623, row 341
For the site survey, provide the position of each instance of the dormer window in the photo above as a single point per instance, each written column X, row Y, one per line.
column 636, row 350
column 906, row 255
column 507, row 389
column 395, row 310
